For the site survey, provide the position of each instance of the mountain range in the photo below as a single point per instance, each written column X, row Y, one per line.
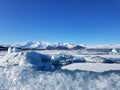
column 47, row 46
column 58, row 46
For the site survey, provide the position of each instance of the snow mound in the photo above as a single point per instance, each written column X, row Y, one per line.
column 26, row 59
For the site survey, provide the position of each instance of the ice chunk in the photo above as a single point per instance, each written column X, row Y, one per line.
column 64, row 59
column 12, row 49
column 15, row 50
column 9, row 50
column 33, row 58
column 114, row 52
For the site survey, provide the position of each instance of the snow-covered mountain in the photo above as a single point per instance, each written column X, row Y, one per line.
column 61, row 46
column 47, row 45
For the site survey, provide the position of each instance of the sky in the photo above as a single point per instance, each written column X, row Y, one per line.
column 74, row 21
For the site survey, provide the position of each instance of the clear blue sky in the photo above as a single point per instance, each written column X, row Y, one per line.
column 75, row 21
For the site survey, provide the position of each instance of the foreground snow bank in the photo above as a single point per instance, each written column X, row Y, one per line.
column 19, row 78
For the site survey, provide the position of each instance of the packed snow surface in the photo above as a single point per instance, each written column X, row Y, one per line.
column 31, row 70
column 98, row 67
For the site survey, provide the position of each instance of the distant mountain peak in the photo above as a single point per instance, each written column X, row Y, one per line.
column 47, row 45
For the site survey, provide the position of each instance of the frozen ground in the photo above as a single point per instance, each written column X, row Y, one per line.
column 59, row 70
column 96, row 67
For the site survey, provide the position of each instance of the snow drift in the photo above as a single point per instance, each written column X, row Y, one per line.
column 32, row 59
column 18, row 78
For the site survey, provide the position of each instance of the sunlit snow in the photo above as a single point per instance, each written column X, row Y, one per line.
column 66, row 70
